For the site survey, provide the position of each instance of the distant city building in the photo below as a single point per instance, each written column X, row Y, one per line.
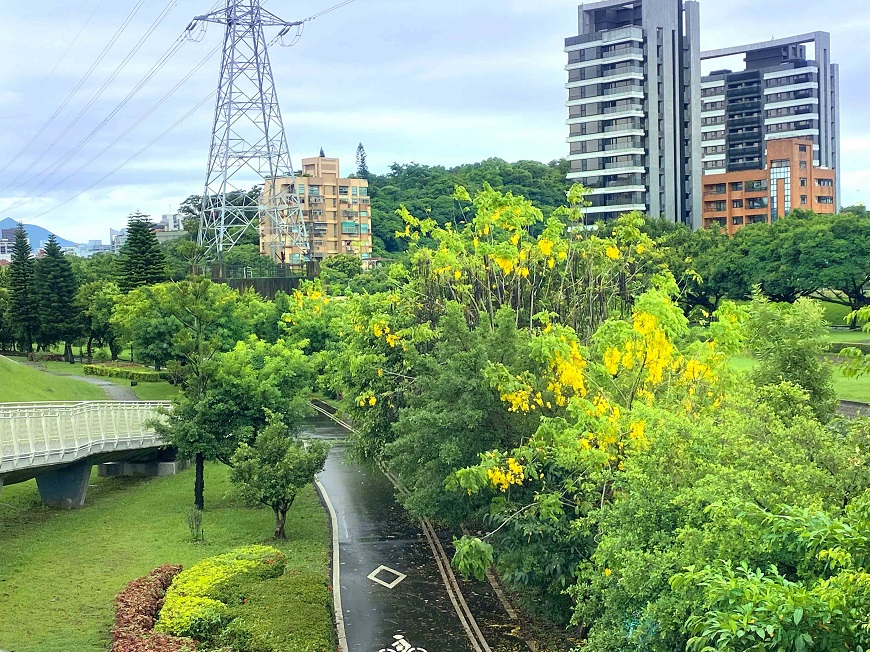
column 790, row 180
column 337, row 213
column 780, row 94
column 86, row 250
column 633, row 108
column 6, row 248
column 117, row 239
column 171, row 222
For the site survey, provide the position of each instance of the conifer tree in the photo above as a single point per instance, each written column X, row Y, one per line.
column 23, row 310
column 55, row 294
column 142, row 259
column 362, row 168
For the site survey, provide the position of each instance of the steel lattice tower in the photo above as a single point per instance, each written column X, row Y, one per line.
column 248, row 135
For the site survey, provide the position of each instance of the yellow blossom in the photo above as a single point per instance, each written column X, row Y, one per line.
column 612, row 252
column 608, row 572
column 457, row 275
column 373, row 401
column 546, row 246
column 523, row 271
column 611, row 361
column 551, row 263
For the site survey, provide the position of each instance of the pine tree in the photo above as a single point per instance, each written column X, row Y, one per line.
column 142, row 259
column 23, row 310
column 55, row 294
column 362, row 168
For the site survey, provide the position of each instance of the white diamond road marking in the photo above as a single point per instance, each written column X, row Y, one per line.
column 373, row 576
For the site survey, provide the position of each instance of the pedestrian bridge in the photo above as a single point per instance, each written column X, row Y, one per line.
column 57, row 443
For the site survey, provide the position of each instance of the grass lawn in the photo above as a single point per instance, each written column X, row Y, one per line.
column 847, row 389
column 60, row 571
column 21, row 383
column 160, row 391
column 846, row 335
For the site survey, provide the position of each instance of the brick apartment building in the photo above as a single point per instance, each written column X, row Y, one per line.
column 789, row 181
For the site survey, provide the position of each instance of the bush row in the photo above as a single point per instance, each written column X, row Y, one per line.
column 45, row 357
column 836, row 347
column 197, row 605
column 137, row 374
column 136, row 609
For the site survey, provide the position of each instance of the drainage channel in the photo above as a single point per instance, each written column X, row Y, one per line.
column 394, row 588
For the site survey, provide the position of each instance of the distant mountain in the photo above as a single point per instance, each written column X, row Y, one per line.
column 37, row 234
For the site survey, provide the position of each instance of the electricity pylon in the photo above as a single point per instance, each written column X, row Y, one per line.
column 248, row 135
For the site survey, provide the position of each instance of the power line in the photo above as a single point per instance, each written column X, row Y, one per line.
column 133, row 157
column 80, row 83
column 118, row 138
column 99, row 91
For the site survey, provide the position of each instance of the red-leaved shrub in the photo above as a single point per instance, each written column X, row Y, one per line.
column 136, row 609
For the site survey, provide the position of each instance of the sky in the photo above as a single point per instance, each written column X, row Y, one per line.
column 438, row 83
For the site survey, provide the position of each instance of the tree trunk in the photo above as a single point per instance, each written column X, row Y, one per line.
column 90, row 349
column 68, row 353
column 199, row 483
column 280, row 521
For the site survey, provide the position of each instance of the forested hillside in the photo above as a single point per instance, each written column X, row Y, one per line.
column 429, row 189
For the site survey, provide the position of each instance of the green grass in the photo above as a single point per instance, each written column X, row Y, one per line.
column 847, row 389
column 160, row 391
column 845, row 335
column 60, row 571
column 21, row 383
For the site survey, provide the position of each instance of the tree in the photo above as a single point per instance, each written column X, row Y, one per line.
column 95, row 301
column 142, row 261
column 228, row 405
column 23, row 303
column 789, row 340
column 59, row 317
column 276, row 467
column 362, row 168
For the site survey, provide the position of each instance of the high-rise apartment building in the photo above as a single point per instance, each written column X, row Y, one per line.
column 634, row 120
column 337, row 214
column 789, row 180
column 780, row 94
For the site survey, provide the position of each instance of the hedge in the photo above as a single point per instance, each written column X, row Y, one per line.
column 198, row 603
column 136, row 373
column 136, row 609
column 836, row 347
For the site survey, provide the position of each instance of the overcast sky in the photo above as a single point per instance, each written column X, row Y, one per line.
column 442, row 82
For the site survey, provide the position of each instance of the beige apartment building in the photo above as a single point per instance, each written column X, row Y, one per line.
column 336, row 211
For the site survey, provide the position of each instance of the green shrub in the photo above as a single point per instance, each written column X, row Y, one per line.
column 137, row 374
column 197, row 602
column 836, row 347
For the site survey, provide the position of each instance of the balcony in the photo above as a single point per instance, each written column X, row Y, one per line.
column 624, row 52
column 746, row 121
column 622, row 33
column 744, row 107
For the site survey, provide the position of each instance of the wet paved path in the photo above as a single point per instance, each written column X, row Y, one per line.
column 374, row 531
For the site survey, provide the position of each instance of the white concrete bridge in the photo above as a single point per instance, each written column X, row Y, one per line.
column 57, row 443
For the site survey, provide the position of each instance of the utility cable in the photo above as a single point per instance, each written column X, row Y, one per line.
column 80, row 83
column 118, row 138
column 131, row 158
column 99, row 91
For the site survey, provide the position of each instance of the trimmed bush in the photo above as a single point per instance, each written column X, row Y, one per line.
column 130, row 373
column 197, row 603
column 136, row 609
column 836, row 347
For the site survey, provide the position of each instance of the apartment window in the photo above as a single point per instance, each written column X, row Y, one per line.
column 354, row 191
column 802, row 148
column 803, row 200
column 779, row 163
column 825, row 200
column 717, row 189
column 756, row 186
column 363, row 213
column 737, row 220
column 301, row 189
column 314, row 191
column 363, row 191
column 756, row 219
column 803, row 182
column 363, row 228
column 825, row 183
column 803, row 165
column 758, row 202
column 342, row 190
column 737, row 186
column 737, row 203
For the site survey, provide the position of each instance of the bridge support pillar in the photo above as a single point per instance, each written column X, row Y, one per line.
column 65, row 487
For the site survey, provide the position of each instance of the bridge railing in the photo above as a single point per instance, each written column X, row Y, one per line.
column 37, row 434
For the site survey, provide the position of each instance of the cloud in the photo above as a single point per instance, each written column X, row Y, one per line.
column 437, row 83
